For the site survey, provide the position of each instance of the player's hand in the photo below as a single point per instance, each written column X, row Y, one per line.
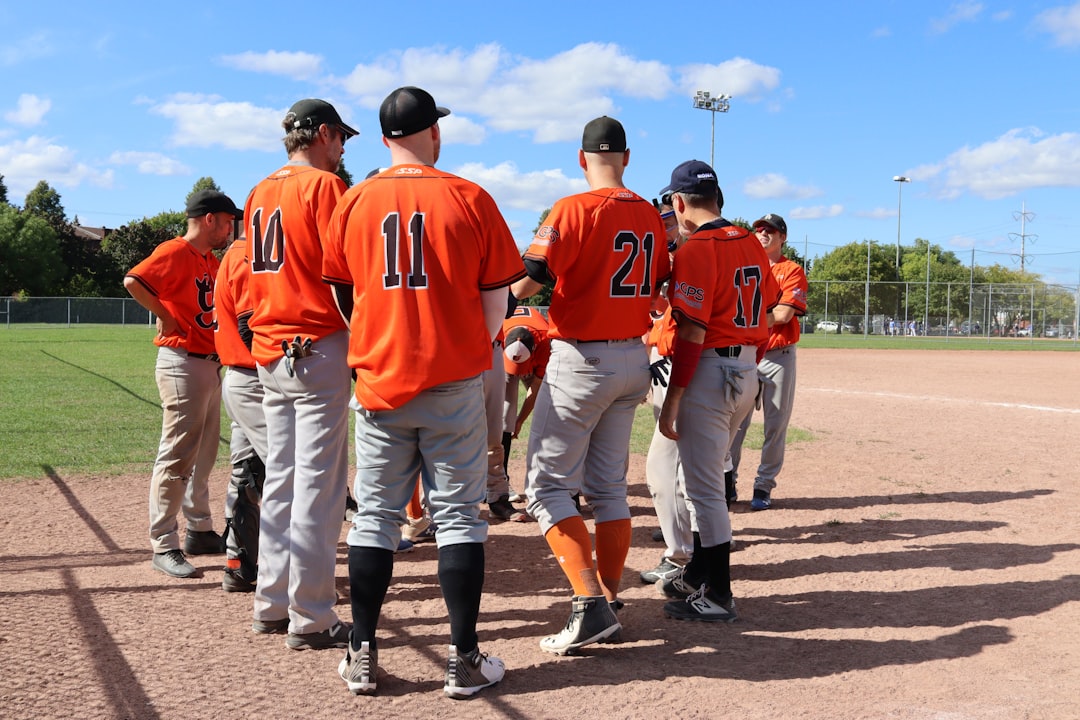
column 660, row 371
column 167, row 326
column 666, row 421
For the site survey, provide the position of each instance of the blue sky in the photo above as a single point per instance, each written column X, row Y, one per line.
column 122, row 106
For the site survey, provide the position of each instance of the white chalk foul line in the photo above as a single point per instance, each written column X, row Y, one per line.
column 933, row 398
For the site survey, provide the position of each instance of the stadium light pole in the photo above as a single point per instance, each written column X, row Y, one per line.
column 899, row 180
column 705, row 100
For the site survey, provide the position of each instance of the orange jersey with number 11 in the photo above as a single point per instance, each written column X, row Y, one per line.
column 418, row 245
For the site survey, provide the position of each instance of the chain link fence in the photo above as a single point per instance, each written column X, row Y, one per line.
column 877, row 308
column 73, row 311
column 943, row 309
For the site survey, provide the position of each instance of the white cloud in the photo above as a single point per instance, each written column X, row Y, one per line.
column 966, row 11
column 27, row 162
column 31, row 47
column 296, row 65
column 816, row 212
column 738, row 77
column 458, row 130
column 881, row 32
column 1062, row 22
column 877, row 213
column 150, row 163
column 535, row 191
column 775, row 185
column 207, row 121
column 551, row 98
column 1018, row 160
column 29, row 110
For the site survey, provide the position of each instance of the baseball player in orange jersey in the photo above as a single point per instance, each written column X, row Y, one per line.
column 176, row 284
column 776, row 371
column 721, row 293
column 663, row 471
column 299, row 343
column 605, row 251
column 242, row 395
column 420, row 261
column 525, row 358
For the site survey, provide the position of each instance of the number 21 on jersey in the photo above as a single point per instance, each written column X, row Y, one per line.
column 642, row 247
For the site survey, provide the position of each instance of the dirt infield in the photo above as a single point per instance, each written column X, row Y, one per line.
column 921, row 561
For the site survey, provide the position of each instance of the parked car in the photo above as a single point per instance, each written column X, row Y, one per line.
column 828, row 326
column 1051, row 332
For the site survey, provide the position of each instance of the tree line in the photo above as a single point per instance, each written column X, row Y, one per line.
column 42, row 254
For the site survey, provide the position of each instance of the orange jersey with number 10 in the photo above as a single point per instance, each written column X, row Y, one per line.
column 607, row 250
column 285, row 218
column 721, row 281
column 417, row 245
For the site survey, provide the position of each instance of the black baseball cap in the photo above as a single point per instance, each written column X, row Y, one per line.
column 206, row 202
column 604, row 134
column 313, row 112
column 407, row 111
column 694, row 177
column 774, row 221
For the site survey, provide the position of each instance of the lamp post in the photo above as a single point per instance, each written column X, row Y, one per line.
column 899, row 180
column 704, row 100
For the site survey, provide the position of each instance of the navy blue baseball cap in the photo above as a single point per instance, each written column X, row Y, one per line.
column 694, row 177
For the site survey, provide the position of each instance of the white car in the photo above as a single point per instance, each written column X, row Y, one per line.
column 828, row 326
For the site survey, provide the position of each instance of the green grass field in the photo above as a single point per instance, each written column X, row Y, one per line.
column 82, row 400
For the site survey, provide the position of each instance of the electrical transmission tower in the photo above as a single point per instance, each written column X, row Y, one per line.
column 1023, row 216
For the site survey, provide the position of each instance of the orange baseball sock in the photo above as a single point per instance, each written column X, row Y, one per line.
column 415, row 511
column 612, row 545
column 570, row 542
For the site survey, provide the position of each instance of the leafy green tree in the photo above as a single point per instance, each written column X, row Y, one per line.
column 3, row 191
column 344, row 174
column 846, row 269
column 44, row 202
column 203, row 183
column 131, row 244
column 29, row 253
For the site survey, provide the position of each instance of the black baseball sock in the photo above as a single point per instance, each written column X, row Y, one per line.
column 719, row 569
column 461, row 576
column 370, row 570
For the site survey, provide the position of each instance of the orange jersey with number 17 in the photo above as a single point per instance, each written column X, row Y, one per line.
column 285, row 218
column 607, row 250
column 721, row 281
column 418, row 245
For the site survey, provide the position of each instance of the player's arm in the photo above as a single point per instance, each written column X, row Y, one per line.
column 781, row 314
column 527, row 405
column 537, row 275
column 686, row 352
column 495, row 304
column 166, row 323
column 343, row 298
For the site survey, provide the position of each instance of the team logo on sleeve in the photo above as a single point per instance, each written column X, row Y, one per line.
column 546, row 235
column 692, row 296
